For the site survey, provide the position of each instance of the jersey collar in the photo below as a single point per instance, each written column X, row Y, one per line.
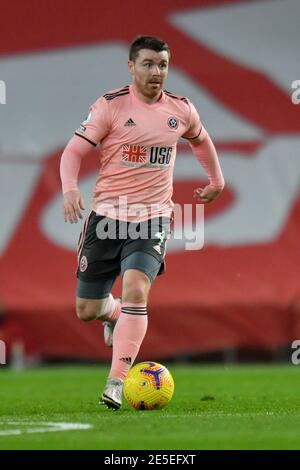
column 137, row 100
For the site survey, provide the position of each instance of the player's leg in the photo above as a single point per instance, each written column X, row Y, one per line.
column 95, row 302
column 139, row 270
column 98, row 268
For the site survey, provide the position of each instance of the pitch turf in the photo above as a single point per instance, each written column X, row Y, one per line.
column 214, row 407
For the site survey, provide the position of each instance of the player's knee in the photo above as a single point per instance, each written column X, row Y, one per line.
column 86, row 311
column 136, row 286
column 135, row 292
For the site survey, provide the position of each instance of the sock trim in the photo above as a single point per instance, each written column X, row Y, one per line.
column 134, row 310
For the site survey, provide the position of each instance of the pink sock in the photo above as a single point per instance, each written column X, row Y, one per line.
column 128, row 337
column 112, row 310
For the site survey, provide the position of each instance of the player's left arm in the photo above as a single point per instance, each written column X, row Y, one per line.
column 204, row 149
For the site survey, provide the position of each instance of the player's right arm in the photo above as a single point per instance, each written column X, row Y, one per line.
column 91, row 131
column 70, row 164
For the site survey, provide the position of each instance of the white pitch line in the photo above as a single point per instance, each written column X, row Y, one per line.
column 47, row 427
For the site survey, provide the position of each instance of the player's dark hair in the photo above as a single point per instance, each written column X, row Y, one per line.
column 147, row 42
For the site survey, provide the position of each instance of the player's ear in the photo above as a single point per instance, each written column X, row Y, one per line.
column 130, row 66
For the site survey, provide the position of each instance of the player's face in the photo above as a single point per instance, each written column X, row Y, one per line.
column 149, row 71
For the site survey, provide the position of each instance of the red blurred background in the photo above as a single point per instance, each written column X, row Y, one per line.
column 236, row 61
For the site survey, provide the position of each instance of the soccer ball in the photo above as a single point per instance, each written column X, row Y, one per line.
column 148, row 386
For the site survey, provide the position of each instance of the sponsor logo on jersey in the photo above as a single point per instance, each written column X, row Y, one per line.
column 134, row 154
column 173, row 122
column 140, row 155
column 160, row 156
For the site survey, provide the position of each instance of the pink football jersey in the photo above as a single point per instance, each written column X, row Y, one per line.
column 138, row 150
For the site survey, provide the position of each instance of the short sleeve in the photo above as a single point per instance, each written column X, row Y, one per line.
column 96, row 125
column 194, row 125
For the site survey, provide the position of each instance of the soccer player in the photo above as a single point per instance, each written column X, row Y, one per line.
column 137, row 128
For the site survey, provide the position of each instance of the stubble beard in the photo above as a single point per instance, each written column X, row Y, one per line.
column 151, row 90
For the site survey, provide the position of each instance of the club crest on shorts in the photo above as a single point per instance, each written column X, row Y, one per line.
column 173, row 122
column 83, row 264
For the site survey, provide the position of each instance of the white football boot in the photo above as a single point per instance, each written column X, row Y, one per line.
column 112, row 394
column 108, row 329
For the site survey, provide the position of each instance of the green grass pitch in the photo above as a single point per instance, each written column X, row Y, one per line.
column 214, row 407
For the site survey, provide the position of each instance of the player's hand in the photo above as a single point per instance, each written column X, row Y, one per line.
column 73, row 205
column 207, row 194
